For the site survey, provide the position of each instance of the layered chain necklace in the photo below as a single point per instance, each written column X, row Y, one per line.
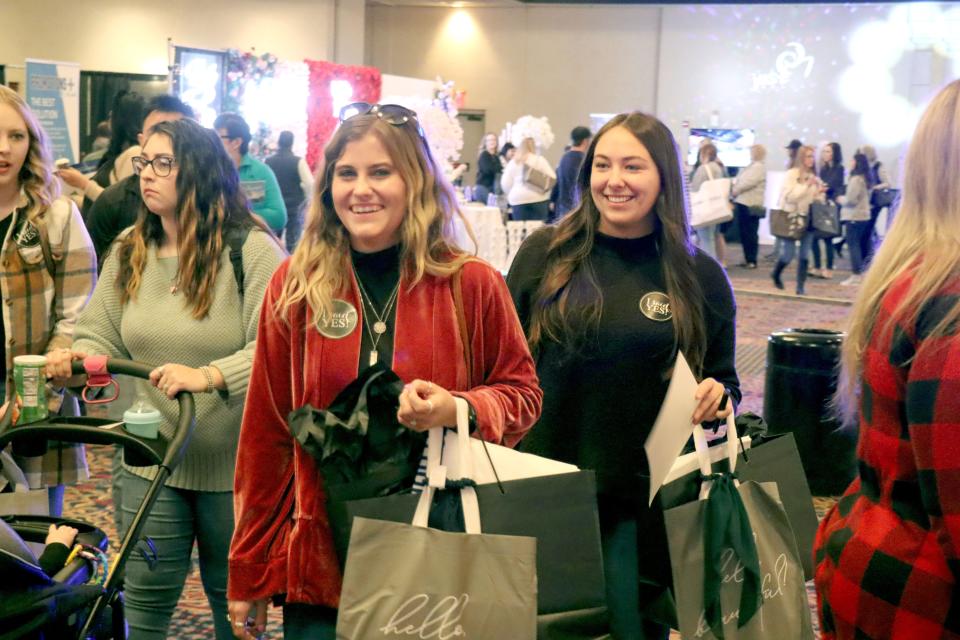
column 379, row 326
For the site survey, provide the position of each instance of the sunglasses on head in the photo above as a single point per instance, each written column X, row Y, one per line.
column 394, row 114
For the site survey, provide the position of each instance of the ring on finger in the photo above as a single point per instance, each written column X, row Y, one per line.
column 413, row 423
column 430, row 404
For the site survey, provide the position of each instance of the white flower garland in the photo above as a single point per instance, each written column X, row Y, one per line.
column 531, row 127
column 441, row 128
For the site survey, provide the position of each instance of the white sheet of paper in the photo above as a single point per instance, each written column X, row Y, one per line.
column 672, row 428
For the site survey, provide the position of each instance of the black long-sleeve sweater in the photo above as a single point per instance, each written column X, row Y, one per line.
column 601, row 401
column 832, row 176
column 488, row 169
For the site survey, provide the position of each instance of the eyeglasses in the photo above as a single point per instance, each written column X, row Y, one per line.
column 161, row 165
column 394, row 114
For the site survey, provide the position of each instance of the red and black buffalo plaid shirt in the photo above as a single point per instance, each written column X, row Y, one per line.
column 888, row 554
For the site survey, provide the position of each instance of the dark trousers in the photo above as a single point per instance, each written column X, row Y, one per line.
column 748, row 226
column 294, row 225
column 856, row 231
column 309, row 622
column 619, row 542
column 828, row 249
column 531, row 211
column 867, row 242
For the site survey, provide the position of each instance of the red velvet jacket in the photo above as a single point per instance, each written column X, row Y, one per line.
column 282, row 542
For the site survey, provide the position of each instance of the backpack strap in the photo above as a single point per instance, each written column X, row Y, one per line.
column 236, row 237
column 457, row 286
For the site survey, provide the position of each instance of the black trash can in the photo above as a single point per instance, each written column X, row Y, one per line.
column 801, row 379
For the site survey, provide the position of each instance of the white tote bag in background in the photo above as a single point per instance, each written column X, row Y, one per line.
column 711, row 204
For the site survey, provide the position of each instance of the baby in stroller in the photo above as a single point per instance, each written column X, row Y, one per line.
column 37, row 605
column 38, row 595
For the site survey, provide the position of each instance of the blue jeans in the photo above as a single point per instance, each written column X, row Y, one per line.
column 309, row 622
column 708, row 240
column 177, row 519
column 789, row 247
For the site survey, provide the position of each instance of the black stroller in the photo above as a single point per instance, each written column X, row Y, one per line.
column 33, row 605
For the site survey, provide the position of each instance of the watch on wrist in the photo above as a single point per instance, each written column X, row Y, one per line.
column 472, row 415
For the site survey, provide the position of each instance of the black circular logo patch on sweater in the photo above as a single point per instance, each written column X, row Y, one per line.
column 343, row 322
column 656, row 306
column 27, row 235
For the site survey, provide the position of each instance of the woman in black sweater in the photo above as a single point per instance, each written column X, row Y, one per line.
column 607, row 297
column 488, row 168
column 832, row 176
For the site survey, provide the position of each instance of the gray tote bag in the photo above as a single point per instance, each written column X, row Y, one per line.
column 407, row 580
column 774, row 571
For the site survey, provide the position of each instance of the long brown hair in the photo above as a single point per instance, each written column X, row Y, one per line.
column 209, row 202
column 568, row 267
column 320, row 264
column 923, row 243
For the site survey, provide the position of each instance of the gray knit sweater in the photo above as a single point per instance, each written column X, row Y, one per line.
column 158, row 327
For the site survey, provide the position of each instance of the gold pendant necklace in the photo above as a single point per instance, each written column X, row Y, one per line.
column 379, row 327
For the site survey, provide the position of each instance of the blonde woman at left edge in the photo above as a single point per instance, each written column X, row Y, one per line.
column 42, row 295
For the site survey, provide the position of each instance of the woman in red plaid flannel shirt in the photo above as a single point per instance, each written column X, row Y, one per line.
column 888, row 554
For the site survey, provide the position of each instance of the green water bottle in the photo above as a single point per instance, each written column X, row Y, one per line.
column 142, row 418
column 30, row 382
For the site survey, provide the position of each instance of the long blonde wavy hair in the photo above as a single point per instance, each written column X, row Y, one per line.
column 798, row 160
column 320, row 266
column 36, row 176
column 924, row 241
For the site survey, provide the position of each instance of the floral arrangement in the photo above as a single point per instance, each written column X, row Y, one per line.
column 242, row 68
column 321, row 122
column 443, row 96
column 275, row 104
column 438, row 120
column 440, row 127
column 531, row 127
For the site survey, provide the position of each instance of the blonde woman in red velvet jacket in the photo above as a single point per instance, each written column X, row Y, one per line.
column 377, row 257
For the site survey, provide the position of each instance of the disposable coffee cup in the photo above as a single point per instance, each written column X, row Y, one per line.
column 30, row 382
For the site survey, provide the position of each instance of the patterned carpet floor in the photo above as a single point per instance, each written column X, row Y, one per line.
column 762, row 309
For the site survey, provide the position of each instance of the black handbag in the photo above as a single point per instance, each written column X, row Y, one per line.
column 825, row 217
column 884, row 197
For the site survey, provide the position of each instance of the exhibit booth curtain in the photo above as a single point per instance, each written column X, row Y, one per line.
column 321, row 120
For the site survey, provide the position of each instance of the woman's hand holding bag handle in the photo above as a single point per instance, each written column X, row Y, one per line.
column 438, row 473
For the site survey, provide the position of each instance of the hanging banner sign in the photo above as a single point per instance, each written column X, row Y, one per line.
column 53, row 93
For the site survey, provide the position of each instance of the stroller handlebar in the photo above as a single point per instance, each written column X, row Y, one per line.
column 166, row 452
